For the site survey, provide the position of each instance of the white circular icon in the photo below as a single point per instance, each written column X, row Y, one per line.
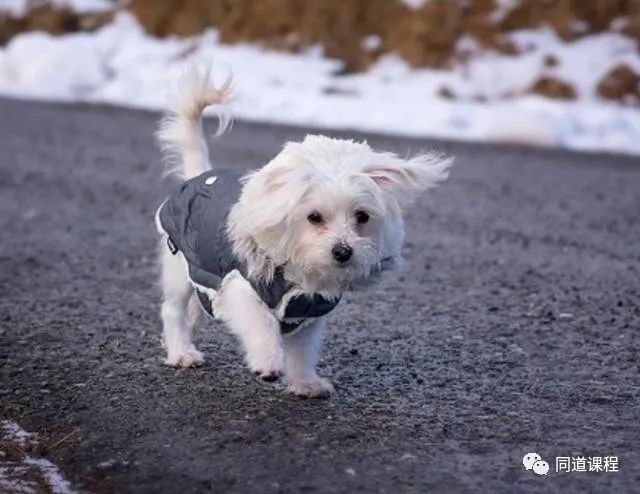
column 210, row 180
column 541, row 467
column 529, row 459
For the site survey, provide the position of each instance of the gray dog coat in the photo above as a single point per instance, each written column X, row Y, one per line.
column 195, row 221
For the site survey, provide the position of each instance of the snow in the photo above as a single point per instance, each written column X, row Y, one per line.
column 51, row 475
column 502, row 8
column 17, row 8
column 13, row 432
column 414, row 4
column 21, row 475
column 120, row 64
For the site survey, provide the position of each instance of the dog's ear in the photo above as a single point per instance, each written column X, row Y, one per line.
column 404, row 178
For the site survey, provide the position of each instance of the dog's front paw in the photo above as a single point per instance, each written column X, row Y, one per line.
column 185, row 358
column 268, row 376
column 312, row 388
column 268, row 367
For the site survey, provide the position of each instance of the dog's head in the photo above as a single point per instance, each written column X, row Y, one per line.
column 329, row 210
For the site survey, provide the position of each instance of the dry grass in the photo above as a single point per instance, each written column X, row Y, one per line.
column 424, row 37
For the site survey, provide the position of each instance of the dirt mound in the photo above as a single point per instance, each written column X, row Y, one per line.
column 622, row 83
column 552, row 87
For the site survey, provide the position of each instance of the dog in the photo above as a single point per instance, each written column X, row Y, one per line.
column 271, row 252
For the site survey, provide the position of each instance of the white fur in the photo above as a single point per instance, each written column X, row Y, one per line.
column 303, row 351
column 269, row 226
column 180, row 133
column 177, row 326
column 257, row 328
column 336, row 177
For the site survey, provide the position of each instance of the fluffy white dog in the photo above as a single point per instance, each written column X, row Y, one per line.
column 271, row 253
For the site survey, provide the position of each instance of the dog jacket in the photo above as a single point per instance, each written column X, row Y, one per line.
column 195, row 221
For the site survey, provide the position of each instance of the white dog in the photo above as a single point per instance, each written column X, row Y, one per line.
column 271, row 253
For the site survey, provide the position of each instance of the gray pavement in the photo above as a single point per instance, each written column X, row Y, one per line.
column 515, row 327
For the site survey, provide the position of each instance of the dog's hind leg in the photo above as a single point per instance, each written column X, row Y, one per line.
column 177, row 322
column 194, row 310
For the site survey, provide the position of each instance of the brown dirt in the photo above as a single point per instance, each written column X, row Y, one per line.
column 622, row 83
column 51, row 19
column 447, row 93
column 632, row 28
column 551, row 61
column 9, row 27
column 552, row 87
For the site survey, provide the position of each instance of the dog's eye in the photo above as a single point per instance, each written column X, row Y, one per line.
column 362, row 217
column 315, row 218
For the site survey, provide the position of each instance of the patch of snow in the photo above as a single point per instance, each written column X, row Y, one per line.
column 408, row 456
column 121, row 64
column 502, row 9
column 11, row 481
column 582, row 62
column 14, row 433
column 18, row 476
column 372, row 42
column 18, row 8
column 414, row 4
column 51, row 475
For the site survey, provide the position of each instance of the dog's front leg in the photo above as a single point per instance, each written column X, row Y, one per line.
column 241, row 309
column 303, row 351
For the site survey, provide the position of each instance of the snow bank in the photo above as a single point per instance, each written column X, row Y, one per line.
column 120, row 64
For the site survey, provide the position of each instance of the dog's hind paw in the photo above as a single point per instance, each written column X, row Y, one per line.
column 315, row 388
column 185, row 358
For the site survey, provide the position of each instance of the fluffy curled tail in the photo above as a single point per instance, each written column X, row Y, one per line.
column 180, row 133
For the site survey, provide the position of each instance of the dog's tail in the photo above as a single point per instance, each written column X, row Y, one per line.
column 180, row 134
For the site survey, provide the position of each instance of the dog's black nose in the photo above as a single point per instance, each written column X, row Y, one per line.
column 342, row 252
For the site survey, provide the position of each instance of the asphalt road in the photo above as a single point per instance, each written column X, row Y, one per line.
column 515, row 327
